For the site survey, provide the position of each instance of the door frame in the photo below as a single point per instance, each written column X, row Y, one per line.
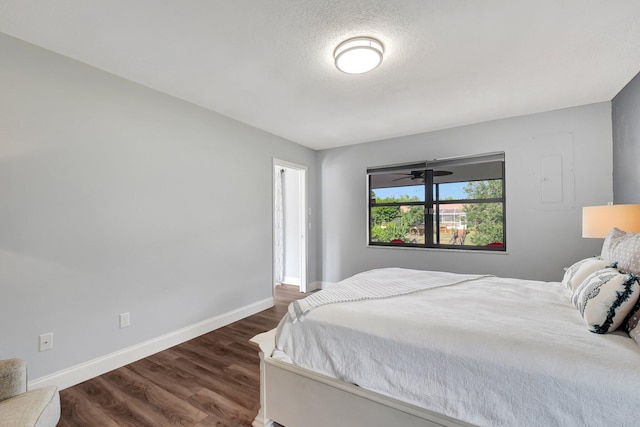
column 304, row 225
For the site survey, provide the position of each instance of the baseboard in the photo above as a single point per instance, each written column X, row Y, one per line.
column 312, row 286
column 318, row 285
column 93, row 368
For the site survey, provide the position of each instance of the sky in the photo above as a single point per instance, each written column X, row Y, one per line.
column 453, row 190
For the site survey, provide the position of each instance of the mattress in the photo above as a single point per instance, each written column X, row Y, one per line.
column 485, row 350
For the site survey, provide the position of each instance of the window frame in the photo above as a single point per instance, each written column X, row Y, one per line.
column 432, row 203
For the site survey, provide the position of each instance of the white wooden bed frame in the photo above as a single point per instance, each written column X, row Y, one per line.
column 297, row 397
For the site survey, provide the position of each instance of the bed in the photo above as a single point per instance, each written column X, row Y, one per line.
column 416, row 348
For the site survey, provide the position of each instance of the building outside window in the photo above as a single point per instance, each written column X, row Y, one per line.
column 455, row 203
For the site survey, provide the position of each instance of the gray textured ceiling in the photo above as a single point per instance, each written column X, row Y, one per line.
column 268, row 63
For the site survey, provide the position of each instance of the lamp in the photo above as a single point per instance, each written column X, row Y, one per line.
column 597, row 221
column 358, row 55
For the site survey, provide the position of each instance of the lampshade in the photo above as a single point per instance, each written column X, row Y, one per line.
column 358, row 55
column 597, row 221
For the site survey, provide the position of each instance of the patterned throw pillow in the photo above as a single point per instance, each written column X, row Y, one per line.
column 605, row 299
column 624, row 248
column 581, row 270
column 633, row 323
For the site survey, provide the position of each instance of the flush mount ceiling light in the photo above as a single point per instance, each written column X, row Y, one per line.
column 358, row 55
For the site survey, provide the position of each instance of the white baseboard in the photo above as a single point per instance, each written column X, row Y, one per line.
column 312, row 286
column 319, row 285
column 93, row 368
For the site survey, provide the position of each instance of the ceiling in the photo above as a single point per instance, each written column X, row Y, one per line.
column 269, row 63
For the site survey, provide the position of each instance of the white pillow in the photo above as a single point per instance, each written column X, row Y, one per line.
column 605, row 299
column 581, row 270
column 624, row 248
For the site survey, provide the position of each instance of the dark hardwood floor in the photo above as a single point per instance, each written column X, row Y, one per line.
column 212, row 380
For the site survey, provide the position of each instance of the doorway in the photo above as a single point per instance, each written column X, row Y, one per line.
column 289, row 224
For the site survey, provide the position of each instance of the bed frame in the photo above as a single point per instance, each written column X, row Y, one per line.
column 295, row 396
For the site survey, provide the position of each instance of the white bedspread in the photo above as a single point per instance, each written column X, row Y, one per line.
column 489, row 351
column 376, row 284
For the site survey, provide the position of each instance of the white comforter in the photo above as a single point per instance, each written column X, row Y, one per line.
column 489, row 351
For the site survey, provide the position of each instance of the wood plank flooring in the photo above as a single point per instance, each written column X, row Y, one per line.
column 212, row 380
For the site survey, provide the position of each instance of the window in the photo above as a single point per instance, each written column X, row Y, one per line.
column 455, row 203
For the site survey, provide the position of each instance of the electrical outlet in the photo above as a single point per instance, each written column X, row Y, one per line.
column 46, row 341
column 125, row 320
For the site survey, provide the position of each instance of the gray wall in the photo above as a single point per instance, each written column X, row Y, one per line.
column 117, row 198
column 626, row 143
column 541, row 240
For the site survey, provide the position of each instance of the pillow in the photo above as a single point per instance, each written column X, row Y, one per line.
column 605, row 299
column 633, row 323
column 614, row 235
column 623, row 248
column 581, row 270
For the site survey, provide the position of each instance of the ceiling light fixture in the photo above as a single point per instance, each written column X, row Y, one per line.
column 358, row 55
